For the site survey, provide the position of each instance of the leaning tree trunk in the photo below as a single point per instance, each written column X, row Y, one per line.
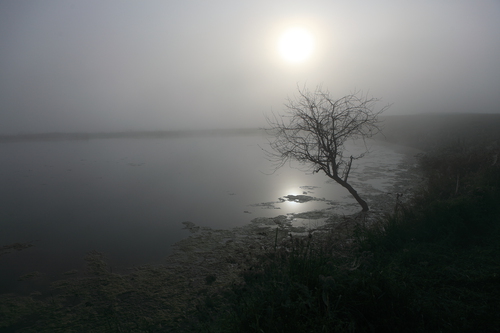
column 353, row 192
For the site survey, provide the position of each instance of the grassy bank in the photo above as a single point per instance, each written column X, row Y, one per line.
column 431, row 266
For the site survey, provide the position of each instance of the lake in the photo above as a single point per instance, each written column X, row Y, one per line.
column 128, row 197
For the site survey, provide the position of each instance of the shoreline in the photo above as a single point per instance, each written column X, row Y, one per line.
column 259, row 233
column 221, row 254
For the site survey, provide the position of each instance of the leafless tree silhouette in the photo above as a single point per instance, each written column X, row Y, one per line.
column 314, row 128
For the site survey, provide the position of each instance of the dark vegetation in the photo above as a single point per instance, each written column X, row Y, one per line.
column 432, row 265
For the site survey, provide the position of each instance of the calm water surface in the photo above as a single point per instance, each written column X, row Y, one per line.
column 128, row 197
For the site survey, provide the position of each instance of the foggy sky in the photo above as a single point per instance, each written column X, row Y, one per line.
column 92, row 66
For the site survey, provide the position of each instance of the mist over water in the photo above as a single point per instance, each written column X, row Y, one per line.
column 128, row 197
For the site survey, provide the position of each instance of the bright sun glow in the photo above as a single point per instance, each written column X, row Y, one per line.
column 296, row 45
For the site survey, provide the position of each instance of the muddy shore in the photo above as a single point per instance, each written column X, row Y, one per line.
column 210, row 258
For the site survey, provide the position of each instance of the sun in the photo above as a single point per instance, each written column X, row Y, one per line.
column 296, row 45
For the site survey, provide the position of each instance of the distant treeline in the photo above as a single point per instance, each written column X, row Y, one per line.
column 61, row 136
column 428, row 131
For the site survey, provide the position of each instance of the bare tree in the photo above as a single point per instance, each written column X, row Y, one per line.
column 314, row 128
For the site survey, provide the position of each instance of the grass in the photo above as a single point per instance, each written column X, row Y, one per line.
column 431, row 266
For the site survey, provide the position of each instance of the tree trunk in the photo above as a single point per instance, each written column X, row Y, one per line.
column 353, row 192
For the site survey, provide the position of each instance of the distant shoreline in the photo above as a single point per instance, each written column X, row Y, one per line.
column 429, row 131
column 83, row 136
column 418, row 130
